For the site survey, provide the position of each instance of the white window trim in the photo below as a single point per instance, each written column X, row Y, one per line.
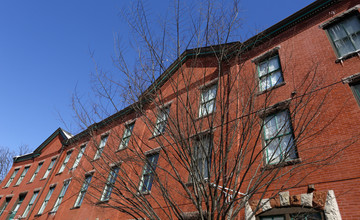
column 76, row 163
column 108, row 185
column 64, row 163
column 28, row 168
column 202, row 89
column 126, row 127
column 99, row 151
column 161, row 109
column 36, row 173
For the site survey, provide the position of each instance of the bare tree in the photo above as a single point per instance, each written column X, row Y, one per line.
column 6, row 158
column 24, row 149
column 209, row 141
column 5, row 161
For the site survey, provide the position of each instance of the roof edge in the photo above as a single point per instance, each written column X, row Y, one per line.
column 66, row 135
column 256, row 40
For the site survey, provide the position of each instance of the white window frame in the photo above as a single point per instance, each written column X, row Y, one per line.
column 79, row 156
column 161, row 120
column 208, row 103
column 31, row 203
column 147, row 177
column 12, row 177
column 48, row 170
column 22, row 176
column 83, row 190
column 66, row 160
column 202, row 151
column 36, row 172
column 46, row 200
column 102, row 144
column 275, row 150
column 127, row 135
column 61, row 195
column 110, row 182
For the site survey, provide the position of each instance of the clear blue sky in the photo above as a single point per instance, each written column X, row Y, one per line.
column 44, row 55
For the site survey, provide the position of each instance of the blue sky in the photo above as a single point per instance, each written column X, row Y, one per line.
column 44, row 56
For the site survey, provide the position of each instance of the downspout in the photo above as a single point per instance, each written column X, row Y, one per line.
column 46, row 183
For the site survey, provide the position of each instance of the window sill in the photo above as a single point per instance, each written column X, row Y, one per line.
column 189, row 183
column 205, row 116
column 282, row 164
column 351, row 79
column 270, row 89
column 75, row 207
column 348, row 56
column 58, row 174
column 16, row 185
column 93, row 160
column 144, row 193
column 155, row 136
column 119, row 150
column 51, row 212
column 37, row 215
column 42, row 179
column 102, row 202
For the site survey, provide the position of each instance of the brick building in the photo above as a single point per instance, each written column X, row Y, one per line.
column 284, row 106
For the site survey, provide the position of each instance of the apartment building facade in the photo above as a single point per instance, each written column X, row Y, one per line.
column 284, row 105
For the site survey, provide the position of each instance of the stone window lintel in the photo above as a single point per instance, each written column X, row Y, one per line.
column 265, row 55
column 339, row 17
column 351, row 79
column 280, row 106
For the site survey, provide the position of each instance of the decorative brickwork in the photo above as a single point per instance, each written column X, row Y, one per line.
column 322, row 201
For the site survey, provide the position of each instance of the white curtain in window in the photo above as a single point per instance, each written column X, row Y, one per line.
column 345, row 35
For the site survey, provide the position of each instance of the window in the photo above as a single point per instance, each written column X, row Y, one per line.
column 13, row 212
column 66, row 160
column 6, row 203
column 101, row 147
column 312, row 215
column 355, row 87
column 345, row 35
column 36, row 172
column 147, row 177
column 278, row 138
column 207, row 100
column 83, row 190
column 47, row 198
column 61, row 195
column 306, row 216
column 109, row 184
column 12, row 177
column 22, row 175
column 202, row 156
column 78, row 158
column 126, row 136
column 31, row 203
column 269, row 73
column 49, row 168
column 161, row 121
